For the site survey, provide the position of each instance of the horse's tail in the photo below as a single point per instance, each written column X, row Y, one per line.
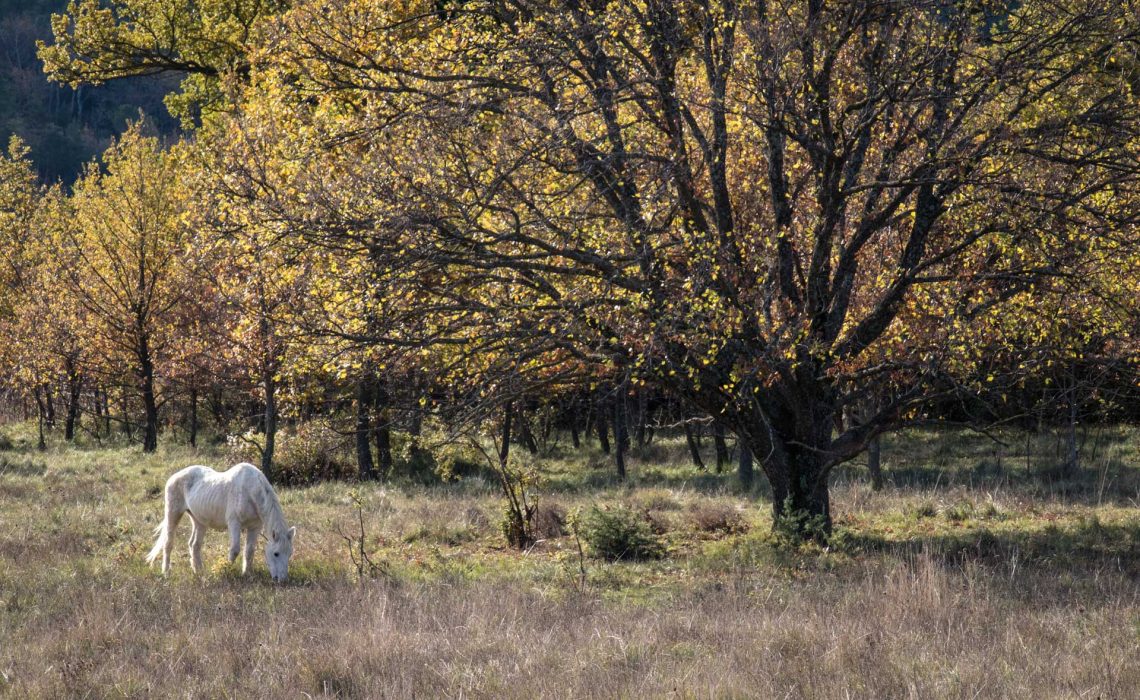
column 160, row 544
column 173, row 506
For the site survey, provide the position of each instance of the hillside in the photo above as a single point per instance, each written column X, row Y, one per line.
column 64, row 127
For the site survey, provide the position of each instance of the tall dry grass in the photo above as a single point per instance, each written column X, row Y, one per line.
column 935, row 591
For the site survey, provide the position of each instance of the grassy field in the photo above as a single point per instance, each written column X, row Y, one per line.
column 977, row 573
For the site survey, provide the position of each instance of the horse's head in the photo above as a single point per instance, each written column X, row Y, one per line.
column 278, row 550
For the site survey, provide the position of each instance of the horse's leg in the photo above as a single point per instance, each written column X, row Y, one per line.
column 235, row 538
column 250, row 546
column 175, row 507
column 196, row 536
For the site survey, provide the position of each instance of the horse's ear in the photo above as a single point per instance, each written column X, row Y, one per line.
column 292, row 531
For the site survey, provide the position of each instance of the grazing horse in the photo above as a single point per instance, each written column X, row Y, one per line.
column 239, row 499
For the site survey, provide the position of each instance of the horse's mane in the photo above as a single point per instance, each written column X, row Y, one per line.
column 269, row 508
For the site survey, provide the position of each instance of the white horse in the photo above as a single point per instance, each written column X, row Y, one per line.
column 239, row 499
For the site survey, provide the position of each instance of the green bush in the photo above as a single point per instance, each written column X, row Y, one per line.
column 620, row 533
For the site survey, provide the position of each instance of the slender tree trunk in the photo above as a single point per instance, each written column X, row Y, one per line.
column 217, row 406
column 40, row 412
column 621, row 436
column 364, row 403
column 382, row 430
column 525, row 433
column 574, row 438
column 602, row 425
column 150, row 403
column 694, row 450
column 106, row 399
column 642, row 419
column 194, row 417
column 270, row 386
column 49, row 417
column 74, row 390
column 125, row 406
column 97, row 411
column 721, row 447
column 505, row 437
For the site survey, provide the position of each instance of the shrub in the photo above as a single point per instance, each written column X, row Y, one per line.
column 620, row 533
column 309, row 452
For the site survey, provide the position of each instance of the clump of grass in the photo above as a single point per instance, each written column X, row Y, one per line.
column 718, row 518
column 990, row 511
column 658, row 499
column 960, row 511
column 926, row 509
column 620, row 533
column 441, row 533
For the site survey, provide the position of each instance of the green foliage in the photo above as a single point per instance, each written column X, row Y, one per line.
column 796, row 526
column 457, row 460
column 94, row 42
column 619, row 533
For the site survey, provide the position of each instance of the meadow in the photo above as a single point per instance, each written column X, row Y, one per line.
column 978, row 572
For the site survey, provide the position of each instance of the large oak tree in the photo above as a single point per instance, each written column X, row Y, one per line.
column 767, row 208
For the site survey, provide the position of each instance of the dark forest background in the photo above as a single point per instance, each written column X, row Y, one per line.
column 64, row 127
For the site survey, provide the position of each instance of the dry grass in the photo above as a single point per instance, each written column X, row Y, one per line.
column 931, row 591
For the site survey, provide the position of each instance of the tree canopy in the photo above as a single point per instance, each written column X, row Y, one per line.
column 808, row 222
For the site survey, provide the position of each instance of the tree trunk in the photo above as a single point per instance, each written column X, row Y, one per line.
column 150, row 408
column 49, row 417
column 603, row 429
column 194, row 417
column 40, row 412
column 106, row 399
column 382, row 430
column 801, row 504
column 146, row 386
column 526, row 435
column 744, row 466
column 721, row 447
column 74, row 389
column 642, row 419
column 621, row 436
column 874, row 463
column 270, row 387
column 364, row 402
column 694, row 449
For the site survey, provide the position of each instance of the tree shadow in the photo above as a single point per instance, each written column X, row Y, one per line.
column 1088, row 547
